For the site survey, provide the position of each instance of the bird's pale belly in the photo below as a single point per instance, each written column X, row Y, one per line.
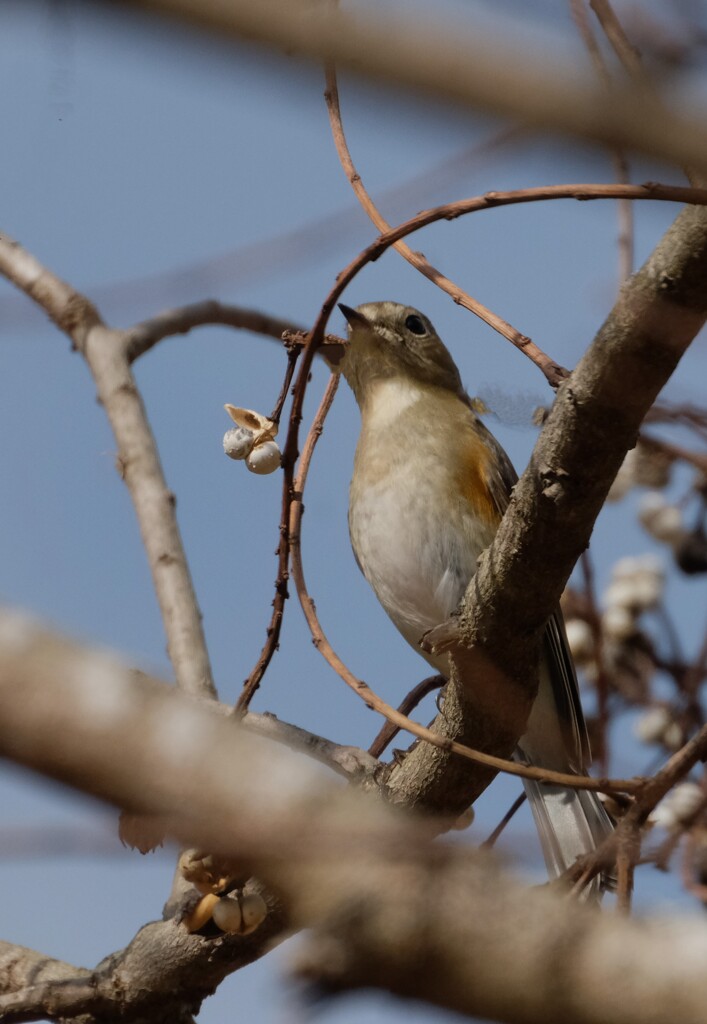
column 417, row 561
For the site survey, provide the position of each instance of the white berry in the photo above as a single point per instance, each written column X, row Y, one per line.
column 661, row 519
column 651, row 726
column 685, row 799
column 264, row 459
column 227, row 914
column 238, row 442
column 254, row 910
column 618, row 622
column 673, row 737
column 580, row 639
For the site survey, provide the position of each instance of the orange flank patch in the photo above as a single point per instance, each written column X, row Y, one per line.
column 475, row 476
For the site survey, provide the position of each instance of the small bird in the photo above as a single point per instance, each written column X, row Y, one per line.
column 430, row 486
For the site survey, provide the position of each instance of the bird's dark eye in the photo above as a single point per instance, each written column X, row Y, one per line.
column 415, row 325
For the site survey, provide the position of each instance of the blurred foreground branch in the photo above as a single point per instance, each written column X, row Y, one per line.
column 455, row 63
column 387, row 908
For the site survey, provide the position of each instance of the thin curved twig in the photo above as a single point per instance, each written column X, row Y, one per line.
column 691, row 416
column 315, row 432
column 450, row 211
column 620, row 161
column 388, row 731
column 491, row 840
column 489, row 200
column 674, row 451
column 272, row 636
column 552, row 370
column 631, row 61
column 145, row 335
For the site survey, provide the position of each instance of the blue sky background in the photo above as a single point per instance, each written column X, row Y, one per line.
column 150, row 167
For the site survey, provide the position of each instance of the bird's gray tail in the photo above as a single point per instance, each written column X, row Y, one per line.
column 571, row 823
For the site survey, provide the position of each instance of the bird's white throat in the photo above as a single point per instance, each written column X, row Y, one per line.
column 388, row 399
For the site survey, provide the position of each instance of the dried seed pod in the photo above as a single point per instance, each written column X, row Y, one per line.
column 203, row 870
column 619, row 594
column 202, row 913
column 263, row 429
column 647, row 591
column 635, row 564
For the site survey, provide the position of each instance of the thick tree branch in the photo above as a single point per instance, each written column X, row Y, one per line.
column 470, row 940
column 594, row 421
column 161, row 977
column 140, row 467
column 22, row 969
column 351, row 763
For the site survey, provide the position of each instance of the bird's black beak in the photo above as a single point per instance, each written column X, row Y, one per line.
column 353, row 317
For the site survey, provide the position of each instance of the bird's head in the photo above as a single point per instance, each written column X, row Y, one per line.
column 391, row 341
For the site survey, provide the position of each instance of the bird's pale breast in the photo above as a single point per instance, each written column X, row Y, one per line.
column 420, row 511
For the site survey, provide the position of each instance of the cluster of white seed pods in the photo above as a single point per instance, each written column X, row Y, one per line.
column 239, row 913
column 581, row 641
column 252, row 440
column 204, row 871
column 657, row 725
column 235, row 912
column 640, row 468
column 661, row 519
column 636, row 587
column 678, row 806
